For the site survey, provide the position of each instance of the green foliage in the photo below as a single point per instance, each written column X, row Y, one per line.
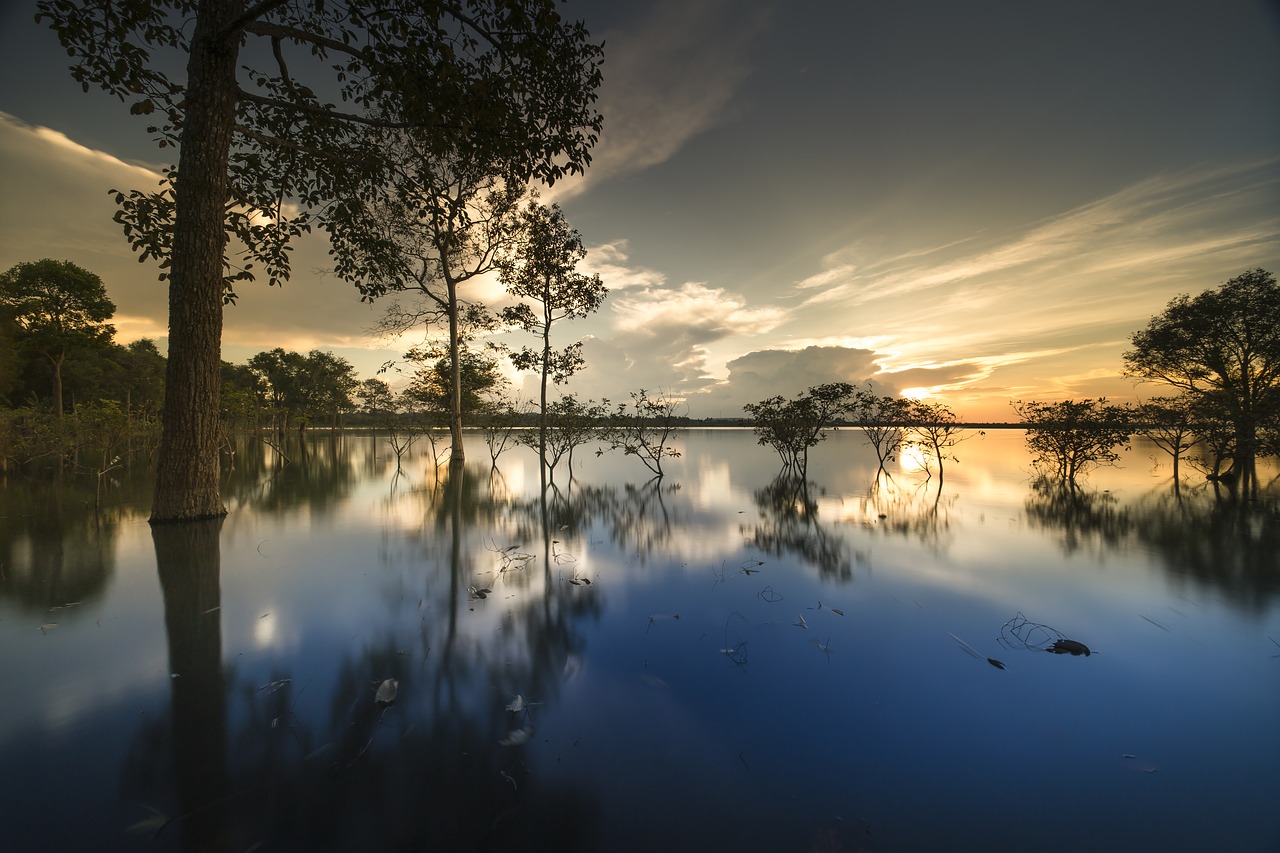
column 299, row 388
column 1070, row 437
column 570, row 424
column 470, row 89
column 500, row 81
column 543, row 270
column 431, row 387
column 57, row 307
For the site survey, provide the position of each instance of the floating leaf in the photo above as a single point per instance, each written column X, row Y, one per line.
column 800, row 623
column 836, row 611
column 997, row 664
column 517, row 704
column 48, row 626
column 387, row 690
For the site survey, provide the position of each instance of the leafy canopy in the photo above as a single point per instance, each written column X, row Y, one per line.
column 322, row 92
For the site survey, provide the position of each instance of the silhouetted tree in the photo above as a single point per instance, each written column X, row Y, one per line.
column 883, row 421
column 1222, row 348
column 934, row 430
column 264, row 155
column 644, row 428
column 1169, row 422
column 792, row 427
column 543, row 270
column 1070, row 437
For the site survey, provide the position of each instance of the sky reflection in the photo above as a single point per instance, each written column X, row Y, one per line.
column 717, row 645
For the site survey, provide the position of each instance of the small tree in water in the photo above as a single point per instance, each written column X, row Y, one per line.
column 543, row 270
column 792, row 427
column 1070, row 437
column 643, row 428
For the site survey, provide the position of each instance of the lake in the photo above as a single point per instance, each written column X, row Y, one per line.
column 364, row 658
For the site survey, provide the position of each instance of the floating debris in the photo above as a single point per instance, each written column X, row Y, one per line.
column 1141, row 765
column 517, row 704
column 975, row 653
column 1068, row 647
column 386, row 694
column 1021, row 633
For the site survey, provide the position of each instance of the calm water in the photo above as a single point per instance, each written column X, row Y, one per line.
column 714, row 662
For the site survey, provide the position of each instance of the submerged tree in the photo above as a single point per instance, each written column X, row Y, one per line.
column 1070, row 437
column 1223, row 349
column 792, row 427
column 543, row 270
column 933, row 429
column 264, row 157
column 644, row 427
column 884, row 424
column 56, row 306
column 450, row 231
column 1169, row 422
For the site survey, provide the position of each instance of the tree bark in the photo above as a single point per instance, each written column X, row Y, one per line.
column 187, row 465
column 456, row 452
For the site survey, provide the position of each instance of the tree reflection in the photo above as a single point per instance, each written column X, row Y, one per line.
column 1228, row 546
column 1204, row 534
column 53, row 550
column 1086, row 519
column 789, row 524
column 270, row 766
column 188, row 563
column 919, row 512
column 273, row 475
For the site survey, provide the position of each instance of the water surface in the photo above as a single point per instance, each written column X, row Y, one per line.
column 718, row 660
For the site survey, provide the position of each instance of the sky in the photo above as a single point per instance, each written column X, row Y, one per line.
column 972, row 202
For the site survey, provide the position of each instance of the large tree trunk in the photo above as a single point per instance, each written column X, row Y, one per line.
column 187, row 467
column 456, row 452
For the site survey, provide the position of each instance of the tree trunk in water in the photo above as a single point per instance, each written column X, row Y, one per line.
column 456, row 453
column 187, row 467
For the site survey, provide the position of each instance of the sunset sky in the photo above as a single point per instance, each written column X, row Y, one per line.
column 978, row 200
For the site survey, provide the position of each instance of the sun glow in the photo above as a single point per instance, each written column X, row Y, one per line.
column 917, row 393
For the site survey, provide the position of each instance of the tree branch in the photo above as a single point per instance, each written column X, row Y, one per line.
column 251, row 14
column 279, row 31
column 326, row 113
